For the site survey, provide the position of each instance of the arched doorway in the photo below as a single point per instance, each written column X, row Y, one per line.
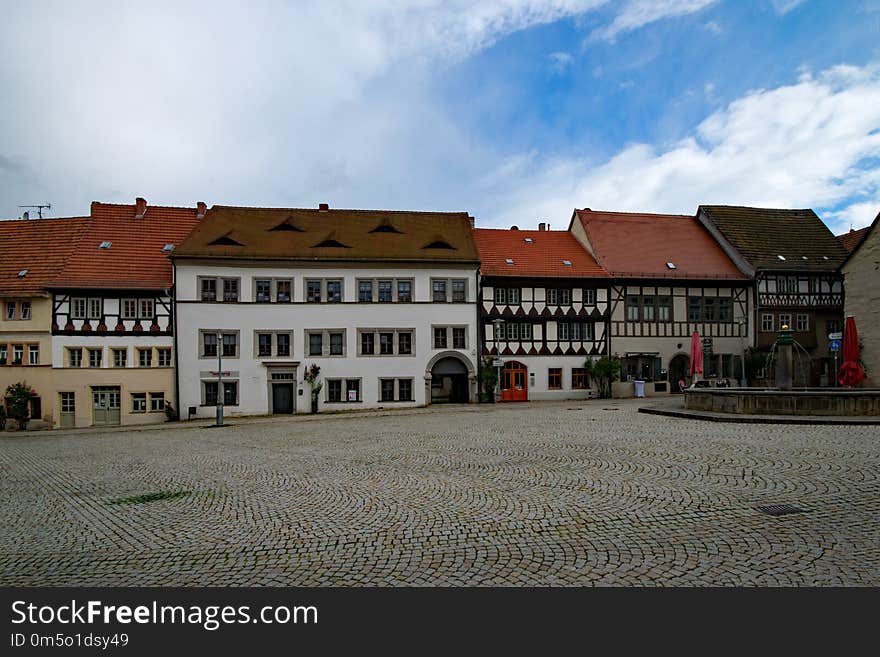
column 449, row 382
column 678, row 371
column 514, row 382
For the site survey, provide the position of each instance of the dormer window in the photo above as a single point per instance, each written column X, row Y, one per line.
column 386, row 228
column 438, row 244
column 331, row 244
column 288, row 225
column 225, row 240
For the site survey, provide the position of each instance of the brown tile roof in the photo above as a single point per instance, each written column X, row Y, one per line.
column 639, row 245
column 853, row 238
column 763, row 234
column 332, row 235
column 135, row 259
column 543, row 256
column 41, row 246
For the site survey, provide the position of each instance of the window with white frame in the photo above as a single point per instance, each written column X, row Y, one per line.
column 33, row 354
column 164, row 355
column 25, row 313
column 10, row 310
column 208, row 343
column 138, row 402
column 95, row 357
column 803, row 322
column 385, row 342
column 393, row 389
column 507, row 296
column 129, row 308
column 120, row 357
column 147, row 309
column 145, row 357
column 157, row 402
column 272, row 343
column 589, row 296
column 74, row 357
column 78, row 308
column 17, row 354
column 325, row 342
column 785, row 320
column 558, row 297
column 96, row 308
column 440, row 338
column 767, row 322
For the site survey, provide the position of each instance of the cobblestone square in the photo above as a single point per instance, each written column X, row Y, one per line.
column 574, row 493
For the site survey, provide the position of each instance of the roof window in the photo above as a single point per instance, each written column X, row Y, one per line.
column 567, row 263
column 670, row 265
column 168, row 248
column 105, row 245
column 781, row 257
column 803, row 257
column 509, row 261
column 23, row 273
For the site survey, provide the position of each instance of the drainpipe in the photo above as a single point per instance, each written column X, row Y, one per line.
column 174, row 341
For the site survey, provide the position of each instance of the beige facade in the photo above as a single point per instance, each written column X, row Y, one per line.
column 25, row 336
column 862, row 284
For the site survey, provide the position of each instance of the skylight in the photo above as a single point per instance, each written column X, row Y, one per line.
column 168, row 248
column 825, row 257
column 22, row 273
column 803, row 257
column 670, row 265
column 781, row 257
column 105, row 245
column 509, row 261
column 528, row 240
column 567, row 263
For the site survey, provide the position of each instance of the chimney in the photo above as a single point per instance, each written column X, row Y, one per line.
column 472, row 221
column 542, row 226
column 201, row 209
column 140, row 207
column 323, row 207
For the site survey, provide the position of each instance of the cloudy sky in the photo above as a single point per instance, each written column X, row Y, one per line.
column 514, row 110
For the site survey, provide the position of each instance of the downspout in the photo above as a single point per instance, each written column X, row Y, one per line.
column 174, row 339
column 477, row 307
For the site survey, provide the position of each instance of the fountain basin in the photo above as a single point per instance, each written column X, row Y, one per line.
column 799, row 401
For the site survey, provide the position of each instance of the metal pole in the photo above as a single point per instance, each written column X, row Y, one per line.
column 219, row 379
column 744, row 382
column 497, row 324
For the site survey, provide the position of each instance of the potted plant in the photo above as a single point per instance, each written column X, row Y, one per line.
column 312, row 377
column 18, row 398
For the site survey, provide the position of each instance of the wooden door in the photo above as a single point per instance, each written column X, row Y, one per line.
column 514, row 386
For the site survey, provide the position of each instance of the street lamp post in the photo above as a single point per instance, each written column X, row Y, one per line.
column 498, row 323
column 219, row 379
column 744, row 382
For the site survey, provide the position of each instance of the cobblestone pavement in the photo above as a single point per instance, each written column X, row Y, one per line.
column 536, row 494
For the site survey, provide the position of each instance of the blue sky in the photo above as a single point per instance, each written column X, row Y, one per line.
column 515, row 110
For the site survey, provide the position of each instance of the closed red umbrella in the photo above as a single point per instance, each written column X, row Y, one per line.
column 696, row 366
column 851, row 371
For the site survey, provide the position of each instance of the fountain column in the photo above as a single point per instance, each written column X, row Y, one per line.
column 784, row 363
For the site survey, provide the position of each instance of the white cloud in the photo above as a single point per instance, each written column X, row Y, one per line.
column 782, row 7
column 713, row 27
column 803, row 145
column 638, row 13
column 560, row 61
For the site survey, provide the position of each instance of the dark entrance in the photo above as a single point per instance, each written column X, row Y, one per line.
column 282, row 398
column 678, row 371
column 449, row 382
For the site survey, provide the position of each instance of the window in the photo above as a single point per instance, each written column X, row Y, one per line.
column 336, row 344
column 558, row 297
column 789, row 284
column 74, row 357
column 68, row 402
column 563, row 331
column 386, row 343
column 785, row 320
column 554, row 378
column 96, row 308
column 632, row 309
column 33, row 354
column 77, row 308
column 404, row 390
column 439, row 337
column 10, row 310
column 230, row 345
column 313, row 291
column 832, row 326
column 230, row 393
column 513, row 332
column 209, row 344
column 501, row 296
column 210, row 393
column 283, row 291
column 4, row 354
column 209, row 289
column 725, row 309
column 459, row 338
column 525, row 331
column 767, row 322
column 695, row 309
column 157, row 402
column 664, row 309
column 386, row 389
column 334, row 390
column 648, row 309
column 145, row 357
column 353, row 390
column 129, row 308
column 507, row 296
column 589, row 297
column 95, row 357
column 282, row 344
column 230, row 289
column 365, row 291
column 264, row 344
column 459, row 291
column 334, row 291
column 25, row 310
column 368, row 344
column 263, row 291
column 404, row 291
column 17, row 354
column 404, row 342
column 164, row 357
column 710, row 309
column 803, row 323
column 385, row 291
column 120, row 357
column 138, row 402
column 316, row 344
column 580, row 380
column 438, row 291
column 147, row 309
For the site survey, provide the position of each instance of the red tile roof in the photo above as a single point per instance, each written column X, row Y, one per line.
column 135, row 259
column 40, row 246
column 638, row 245
column 542, row 257
column 853, row 238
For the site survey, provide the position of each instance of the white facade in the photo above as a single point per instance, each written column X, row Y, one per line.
column 256, row 377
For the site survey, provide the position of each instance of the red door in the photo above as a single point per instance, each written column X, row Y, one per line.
column 513, row 382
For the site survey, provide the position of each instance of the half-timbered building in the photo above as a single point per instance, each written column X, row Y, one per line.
column 113, row 316
column 543, row 312
column 383, row 302
column 669, row 278
column 793, row 259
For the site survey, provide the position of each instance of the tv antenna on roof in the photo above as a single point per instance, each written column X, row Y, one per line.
column 39, row 208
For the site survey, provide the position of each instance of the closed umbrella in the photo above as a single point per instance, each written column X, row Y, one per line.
column 851, row 371
column 696, row 366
